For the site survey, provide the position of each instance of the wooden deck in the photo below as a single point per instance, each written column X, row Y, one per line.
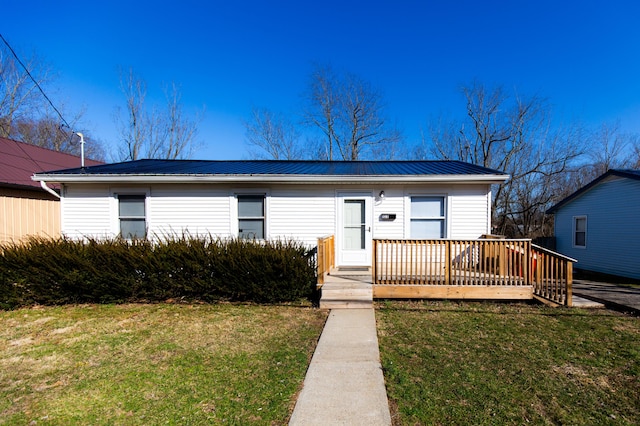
column 492, row 269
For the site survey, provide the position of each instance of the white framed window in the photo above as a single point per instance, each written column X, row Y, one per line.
column 251, row 216
column 428, row 217
column 132, row 215
column 580, row 231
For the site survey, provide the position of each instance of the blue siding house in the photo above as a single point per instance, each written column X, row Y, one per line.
column 599, row 225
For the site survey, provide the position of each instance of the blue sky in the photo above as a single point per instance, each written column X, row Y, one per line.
column 584, row 56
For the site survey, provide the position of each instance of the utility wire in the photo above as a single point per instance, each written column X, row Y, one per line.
column 15, row 55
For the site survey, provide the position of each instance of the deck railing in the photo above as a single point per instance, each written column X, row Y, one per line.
column 326, row 256
column 482, row 262
column 552, row 275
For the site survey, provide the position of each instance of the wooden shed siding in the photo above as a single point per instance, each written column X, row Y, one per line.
column 27, row 213
column 193, row 211
column 613, row 228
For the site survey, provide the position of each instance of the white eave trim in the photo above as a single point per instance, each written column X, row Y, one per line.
column 291, row 179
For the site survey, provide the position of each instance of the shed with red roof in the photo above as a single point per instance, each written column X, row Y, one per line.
column 26, row 209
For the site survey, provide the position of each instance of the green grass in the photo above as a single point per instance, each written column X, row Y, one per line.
column 483, row 363
column 154, row 364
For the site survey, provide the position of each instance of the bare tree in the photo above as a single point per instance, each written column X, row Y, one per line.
column 19, row 96
column 28, row 115
column 272, row 136
column 179, row 131
column 511, row 134
column 349, row 113
column 147, row 132
column 609, row 148
column 47, row 132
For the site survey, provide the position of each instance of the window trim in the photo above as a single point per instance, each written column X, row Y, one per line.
column 138, row 194
column 235, row 221
column 574, row 232
column 409, row 217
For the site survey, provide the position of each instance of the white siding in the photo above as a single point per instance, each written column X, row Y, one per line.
column 392, row 203
column 87, row 212
column 301, row 213
column 178, row 210
column 612, row 208
column 469, row 212
column 467, row 206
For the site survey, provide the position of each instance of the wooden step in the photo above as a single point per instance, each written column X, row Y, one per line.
column 345, row 304
column 347, row 292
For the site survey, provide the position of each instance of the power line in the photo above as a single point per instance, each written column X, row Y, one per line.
column 15, row 55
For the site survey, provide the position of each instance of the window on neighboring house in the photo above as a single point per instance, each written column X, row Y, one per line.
column 132, row 215
column 427, row 217
column 251, row 216
column 580, row 231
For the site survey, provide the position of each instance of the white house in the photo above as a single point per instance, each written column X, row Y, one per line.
column 599, row 225
column 356, row 201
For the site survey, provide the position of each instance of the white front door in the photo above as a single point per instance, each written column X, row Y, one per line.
column 354, row 229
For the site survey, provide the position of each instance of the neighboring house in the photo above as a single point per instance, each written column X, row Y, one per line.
column 25, row 207
column 303, row 200
column 599, row 225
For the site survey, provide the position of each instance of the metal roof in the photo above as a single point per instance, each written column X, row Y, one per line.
column 19, row 161
column 626, row 173
column 271, row 170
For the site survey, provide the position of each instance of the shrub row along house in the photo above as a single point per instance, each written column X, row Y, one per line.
column 410, row 222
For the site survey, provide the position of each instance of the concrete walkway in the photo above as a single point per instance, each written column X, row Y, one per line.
column 612, row 295
column 344, row 384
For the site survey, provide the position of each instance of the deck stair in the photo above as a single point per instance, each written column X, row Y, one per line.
column 347, row 288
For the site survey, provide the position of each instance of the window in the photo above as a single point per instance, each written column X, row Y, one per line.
column 427, row 217
column 251, row 216
column 131, row 212
column 580, row 231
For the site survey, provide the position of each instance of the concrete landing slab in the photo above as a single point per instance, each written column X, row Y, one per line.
column 344, row 384
column 580, row 302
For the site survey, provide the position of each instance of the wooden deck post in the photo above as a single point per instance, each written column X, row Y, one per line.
column 374, row 262
column 447, row 264
column 569, row 298
column 320, row 266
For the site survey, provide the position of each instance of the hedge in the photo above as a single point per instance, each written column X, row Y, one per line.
column 61, row 271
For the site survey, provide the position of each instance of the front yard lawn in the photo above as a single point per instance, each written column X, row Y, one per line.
column 484, row 363
column 153, row 364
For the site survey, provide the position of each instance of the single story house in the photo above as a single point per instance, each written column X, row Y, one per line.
column 27, row 209
column 356, row 201
column 599, row 225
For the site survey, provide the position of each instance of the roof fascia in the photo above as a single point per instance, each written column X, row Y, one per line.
column 291, row 179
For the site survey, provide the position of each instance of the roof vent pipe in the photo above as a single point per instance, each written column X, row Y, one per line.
column 81, row 149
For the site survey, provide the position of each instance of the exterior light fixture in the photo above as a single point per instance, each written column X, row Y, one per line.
column 381, row 195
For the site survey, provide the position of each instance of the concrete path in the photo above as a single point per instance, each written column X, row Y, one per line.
column 613, row 296
column 344, row 384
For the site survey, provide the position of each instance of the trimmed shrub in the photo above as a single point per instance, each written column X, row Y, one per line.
column 59, row 271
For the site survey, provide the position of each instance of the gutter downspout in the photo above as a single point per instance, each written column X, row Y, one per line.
column 44, row 186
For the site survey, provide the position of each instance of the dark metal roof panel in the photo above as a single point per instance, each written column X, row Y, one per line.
column 274, row 167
